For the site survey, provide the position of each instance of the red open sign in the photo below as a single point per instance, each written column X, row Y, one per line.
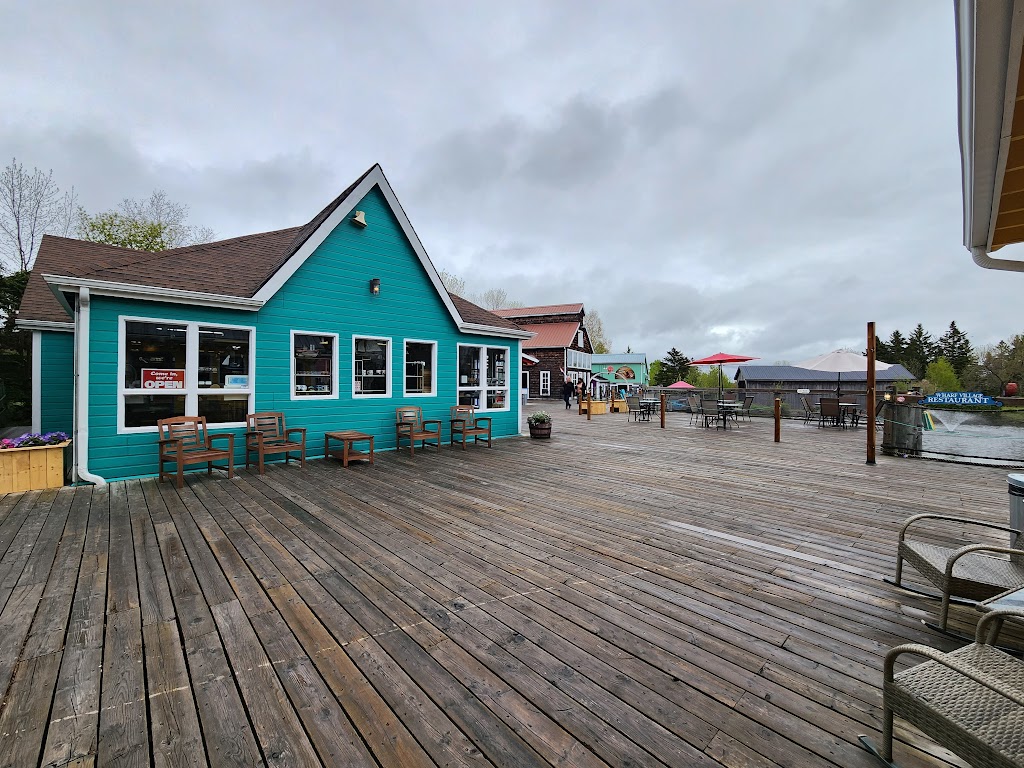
column 163, row 378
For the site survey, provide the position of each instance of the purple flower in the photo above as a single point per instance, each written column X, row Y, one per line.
column 31, row 439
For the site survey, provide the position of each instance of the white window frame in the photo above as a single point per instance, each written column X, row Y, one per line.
column 390, row 367
column 433, row 367
column 482, row 388
column 192, row 390
column 545, row 383
column 335, row 384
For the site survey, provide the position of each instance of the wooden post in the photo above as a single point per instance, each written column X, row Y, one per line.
column 778, row 419
column 870, row 408
column 663, row 410
column 589, row 409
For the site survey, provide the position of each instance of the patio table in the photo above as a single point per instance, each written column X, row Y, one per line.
column 728, row 409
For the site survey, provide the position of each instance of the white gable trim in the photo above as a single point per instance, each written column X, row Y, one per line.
column 60, row 284
column 376, row 178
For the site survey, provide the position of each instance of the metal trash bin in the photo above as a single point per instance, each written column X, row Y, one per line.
column 1015, row 483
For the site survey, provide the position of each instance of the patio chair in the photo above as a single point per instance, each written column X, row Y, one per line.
column 184, row 440
column 465, row 423
column 809, row 410
column 970, row 701
column 969, row 572
column 696, row 413
column 636, row 409
column 410, row 425
column 748, row 402
column 829, row 412
column 267, row 433
column 709, row 410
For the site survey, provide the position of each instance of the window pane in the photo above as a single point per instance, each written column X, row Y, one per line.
column 314, row 365
column 145, row 410
column 470, row 398
column 496, row 399
column 371, row 374
column 496, row 367
column 154, row 356
column 469, row 366
column 419, row 378
column 219, row 409
column 223, row 358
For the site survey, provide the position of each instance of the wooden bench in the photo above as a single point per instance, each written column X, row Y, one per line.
column 970, row 701
column 410, row 425
column 184, row 440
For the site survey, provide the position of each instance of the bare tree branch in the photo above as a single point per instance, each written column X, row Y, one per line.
column 31, row 206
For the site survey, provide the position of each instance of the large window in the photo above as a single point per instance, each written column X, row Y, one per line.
column 314, row 365
column 420, row 367
column 483, row 377
column 171, row 368
column 371, row 367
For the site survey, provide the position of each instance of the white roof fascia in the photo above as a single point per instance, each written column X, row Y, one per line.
column 490, row 330
column 989, row 40
column 44, row 325
column 60, row 284
column 375, row 178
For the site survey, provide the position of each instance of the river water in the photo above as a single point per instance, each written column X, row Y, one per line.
column 984, row 437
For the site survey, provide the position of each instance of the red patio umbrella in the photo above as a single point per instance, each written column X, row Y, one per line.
column 720, row 359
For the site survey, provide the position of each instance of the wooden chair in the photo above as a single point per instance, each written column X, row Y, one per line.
column 465, row 423
column 969, row 572
column 410, row 425
column 809, row 410
column 184, row 440
column 829, row 412
column 266, row 433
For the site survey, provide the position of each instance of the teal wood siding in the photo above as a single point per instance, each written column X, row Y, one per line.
column 57, row 384
column 330, row 293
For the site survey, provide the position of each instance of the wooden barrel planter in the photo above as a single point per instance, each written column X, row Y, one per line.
column 541, row 431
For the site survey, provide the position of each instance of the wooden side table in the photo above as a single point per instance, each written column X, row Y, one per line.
column 347, row 453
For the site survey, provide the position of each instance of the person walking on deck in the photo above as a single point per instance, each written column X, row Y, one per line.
column 567, row 390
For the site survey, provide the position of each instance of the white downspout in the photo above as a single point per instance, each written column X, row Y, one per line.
column 37, row 381
column 982, row 259
column 81, row 436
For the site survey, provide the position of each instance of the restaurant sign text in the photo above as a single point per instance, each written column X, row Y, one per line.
column 958, row 398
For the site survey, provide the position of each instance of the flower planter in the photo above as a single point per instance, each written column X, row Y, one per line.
column 31, row 469
column 540, row 431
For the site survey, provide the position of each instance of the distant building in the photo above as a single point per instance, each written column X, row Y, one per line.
column 561, row 346
column 625, row 367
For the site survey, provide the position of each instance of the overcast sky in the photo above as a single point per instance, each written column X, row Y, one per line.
column 758, row 178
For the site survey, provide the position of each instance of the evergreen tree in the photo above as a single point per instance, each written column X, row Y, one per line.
column 673, row 368
column 882, row 351
column 956, row 348
column 896, row 348
column 920, row 351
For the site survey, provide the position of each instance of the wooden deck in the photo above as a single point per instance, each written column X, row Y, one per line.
column 619, row 595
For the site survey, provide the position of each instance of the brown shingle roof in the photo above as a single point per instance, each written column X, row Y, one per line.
column 471, row 313
column 551, row 309
column 235, row 267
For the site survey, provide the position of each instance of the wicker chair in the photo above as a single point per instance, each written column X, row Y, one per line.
column 970, row 701
column 970, row 572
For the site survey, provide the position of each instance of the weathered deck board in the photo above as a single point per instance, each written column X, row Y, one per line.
column 620, row 595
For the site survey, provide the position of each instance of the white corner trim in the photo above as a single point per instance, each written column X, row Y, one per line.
column 37, row 386
column 45, row 325
column 63, row 283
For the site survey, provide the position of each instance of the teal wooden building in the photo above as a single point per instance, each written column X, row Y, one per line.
column 622, row 368
column 336, row 323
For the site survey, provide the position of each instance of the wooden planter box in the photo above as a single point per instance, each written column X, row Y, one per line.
column 31, row 469
column 596, row 407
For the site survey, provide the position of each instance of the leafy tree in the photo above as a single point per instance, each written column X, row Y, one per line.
column 595, row 330
column 15, row 351
column 956, row 348
column 673, row 368
column 707, row 378
column 941, row 376
column 654, row 372
column 31, row 205
column 153, row 224
column 996, row 366
column 919, row 352
column 114, row 228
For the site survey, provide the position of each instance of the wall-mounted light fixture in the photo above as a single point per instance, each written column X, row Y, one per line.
column 375, row 286
column 359, row 219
